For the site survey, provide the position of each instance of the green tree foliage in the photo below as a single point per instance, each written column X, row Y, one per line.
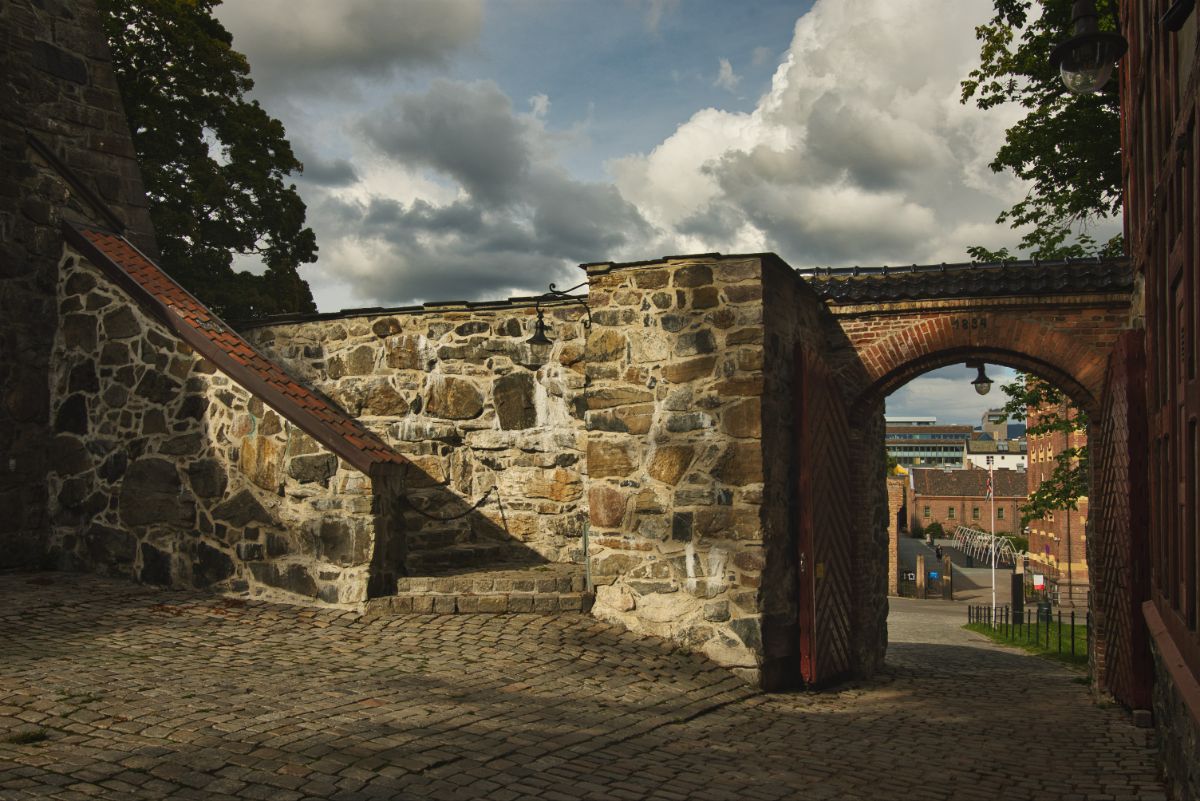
column 1068, row 146
column 213, row 162
column 1068, row 481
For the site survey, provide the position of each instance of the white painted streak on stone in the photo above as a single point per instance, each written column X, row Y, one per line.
column 716, row 569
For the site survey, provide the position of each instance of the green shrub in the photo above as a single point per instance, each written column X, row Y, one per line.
column 917, row 531
column 934, row 530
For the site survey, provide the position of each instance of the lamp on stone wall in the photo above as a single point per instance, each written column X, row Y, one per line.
column 554, row 293
column 1085, row 61
column 982, row 384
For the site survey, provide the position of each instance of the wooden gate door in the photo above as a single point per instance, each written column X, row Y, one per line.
column 824, row 521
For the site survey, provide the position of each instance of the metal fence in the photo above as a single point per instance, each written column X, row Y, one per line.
column 1047, row 629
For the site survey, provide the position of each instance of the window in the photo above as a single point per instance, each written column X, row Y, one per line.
column 950, row 512
column 1000, row 513
column 926, row 511
column 975, row 513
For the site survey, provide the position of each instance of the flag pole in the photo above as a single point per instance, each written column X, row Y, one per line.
column 992, row 497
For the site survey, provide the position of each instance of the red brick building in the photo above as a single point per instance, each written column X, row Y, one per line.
column 959, row 498
column 1058, row 540
column 1160, row 145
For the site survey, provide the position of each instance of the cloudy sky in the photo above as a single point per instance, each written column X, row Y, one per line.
column 467, row 149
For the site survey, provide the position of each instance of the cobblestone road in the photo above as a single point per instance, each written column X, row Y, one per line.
column 109, row 690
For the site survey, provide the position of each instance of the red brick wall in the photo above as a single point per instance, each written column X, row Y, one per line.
column 1048, row 536
column 940, row 506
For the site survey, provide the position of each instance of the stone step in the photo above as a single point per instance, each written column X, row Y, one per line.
column 545, row 589
column 419, row 541
column 457, row 556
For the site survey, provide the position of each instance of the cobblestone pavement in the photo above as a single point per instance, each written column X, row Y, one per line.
column 109, row 690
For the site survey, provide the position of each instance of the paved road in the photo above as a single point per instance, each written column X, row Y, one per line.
column 135, row 693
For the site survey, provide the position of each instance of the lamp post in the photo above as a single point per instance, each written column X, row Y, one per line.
column 1086, row 60
column 554, row 293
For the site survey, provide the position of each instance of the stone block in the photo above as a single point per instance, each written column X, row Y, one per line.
column 520, row 603
column 444, row 604
column 242, row 510
column 152, row 493
column 292, row 578
column 156, row 566
column 606, row 345
column 669, row 463
column 695, row 343
column 121, row 323
column 740, row 464
column 606, row 506
column 746, row 386
column 609, row 458
column 693, row 275
column 211, row 566
column 382, row 400
column 513, row 396
column 493, row 604
column 716, row 611
column 454, row 399
column 623, row 419
column 743, row 418
column 607, row 398
column 260, row 460
column 318, row 468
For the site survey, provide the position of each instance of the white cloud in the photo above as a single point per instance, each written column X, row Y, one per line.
column 947, row 394
column 539, row 106
column 726, row 78
column 311, row 47
column 860, row 152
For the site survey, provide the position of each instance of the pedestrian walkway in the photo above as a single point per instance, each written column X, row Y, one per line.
column 114, row 691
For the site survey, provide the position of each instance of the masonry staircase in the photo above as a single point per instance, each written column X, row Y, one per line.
column 456, row 569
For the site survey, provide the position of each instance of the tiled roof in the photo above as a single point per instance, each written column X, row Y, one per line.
column 967, row 483
column 970, row 280
column 1012, row 447
column 176, row 308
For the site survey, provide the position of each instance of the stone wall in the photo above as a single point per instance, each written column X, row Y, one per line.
column 481, row 413
column 167, row 471
column 677, row 464
column 58, row 86
column 1178, row 728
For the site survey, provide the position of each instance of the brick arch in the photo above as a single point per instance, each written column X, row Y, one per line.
column 1066, row 343
column 1082, row 395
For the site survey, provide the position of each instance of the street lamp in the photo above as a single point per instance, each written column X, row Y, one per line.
column 554, row 293
column 1085, row 61
column 982, row 384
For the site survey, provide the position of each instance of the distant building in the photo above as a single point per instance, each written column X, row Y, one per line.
column 994, row 423
column 1006, row 454
column 925, row 445
column 959, row 498
column 1059, row 540
column 895, row 420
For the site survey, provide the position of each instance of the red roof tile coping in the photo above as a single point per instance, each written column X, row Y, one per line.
column 208, row 335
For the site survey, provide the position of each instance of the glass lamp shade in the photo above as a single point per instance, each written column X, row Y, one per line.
column 539, row 332
column 1086, row 62
column 982, row 384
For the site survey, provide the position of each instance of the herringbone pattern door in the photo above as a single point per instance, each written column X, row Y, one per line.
column 824, row 520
